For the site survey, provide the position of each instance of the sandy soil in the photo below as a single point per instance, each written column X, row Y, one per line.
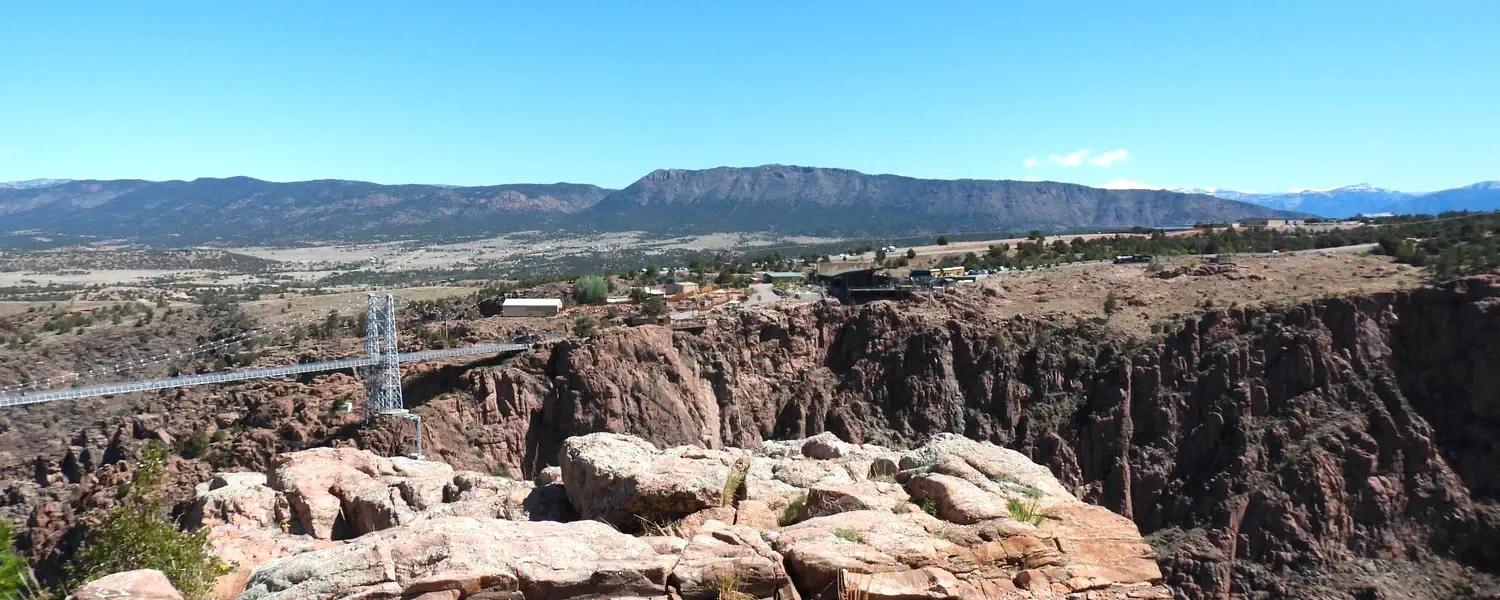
column 11, row 308
column 395, row 256
column 352, row 302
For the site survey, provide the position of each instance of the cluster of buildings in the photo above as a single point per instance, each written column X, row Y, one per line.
column 684, row 295
column 1313, row 226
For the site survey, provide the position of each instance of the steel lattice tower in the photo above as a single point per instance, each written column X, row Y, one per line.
column 382, row 379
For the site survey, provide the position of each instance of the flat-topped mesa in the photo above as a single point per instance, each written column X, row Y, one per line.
column 813, row 518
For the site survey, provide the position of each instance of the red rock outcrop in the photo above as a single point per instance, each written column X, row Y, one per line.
column 145, row 584
column 1257, row 445
column 708, row 523
column 1332, row 449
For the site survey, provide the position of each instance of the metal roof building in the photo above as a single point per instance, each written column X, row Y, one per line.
column 779, row 276
column 530, row 307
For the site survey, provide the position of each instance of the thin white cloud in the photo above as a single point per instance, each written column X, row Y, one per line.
column 1081, row 157
column 1108, row 158
column 1127, row 184
column 1071, row 159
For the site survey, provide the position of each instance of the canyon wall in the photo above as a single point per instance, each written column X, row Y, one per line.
column 1330, row 448
column 1333, row 449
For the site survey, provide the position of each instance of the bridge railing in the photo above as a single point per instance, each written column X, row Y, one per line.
column 244, row 375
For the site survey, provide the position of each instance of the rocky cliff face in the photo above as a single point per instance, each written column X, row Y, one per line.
column 1334, row 449
column 1331, row 448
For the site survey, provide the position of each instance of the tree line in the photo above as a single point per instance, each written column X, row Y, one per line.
column 1450, row 244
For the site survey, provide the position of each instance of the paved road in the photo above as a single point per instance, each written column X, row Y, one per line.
column 1354, row 248
column 761, row 293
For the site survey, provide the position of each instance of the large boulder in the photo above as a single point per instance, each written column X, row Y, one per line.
column 865, row 495
column 463, row 557
column 340, row 493
column 319, row 483
column 957, row 500
column 819, row 550
column 626, row 481
column 881, row 556
column 143, row 584
column 1000, row 526
column 630, row 483
column 235, row 499
column 246, row 547
column 729, row 561
column 1000, row 470
column 474, row 494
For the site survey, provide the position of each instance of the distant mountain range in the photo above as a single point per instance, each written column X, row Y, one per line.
column 1366, row 199
column 774, row 198
column 828, row 201
column 242, row 209
column 31, row 184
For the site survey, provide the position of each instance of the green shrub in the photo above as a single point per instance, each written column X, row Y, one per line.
column 929, row 506
column 734, row 484
column 590, row 289
column 1026, row 512
column 16, row 580
column 729, row 587
column 848, row 534
column 136, row 535
column 793, row 511
column 584, row 326
column 195, row 445
column 655, row 306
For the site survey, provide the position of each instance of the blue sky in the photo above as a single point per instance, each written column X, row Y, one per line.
column 1247, row 95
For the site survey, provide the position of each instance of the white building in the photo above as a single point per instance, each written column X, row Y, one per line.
column 530, row 307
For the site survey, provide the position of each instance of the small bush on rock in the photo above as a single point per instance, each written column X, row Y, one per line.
column 930, row 507
column 734, row 485
column 729, row 588
column 584, row 326
column 135, row 535
column 1026, row 512
column 195, row 445
column 793, row 511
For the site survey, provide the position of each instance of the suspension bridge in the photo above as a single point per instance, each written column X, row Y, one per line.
column 380, row 368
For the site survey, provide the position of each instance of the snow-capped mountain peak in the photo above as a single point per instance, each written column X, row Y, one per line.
column 1364, row 198
column 32, row 184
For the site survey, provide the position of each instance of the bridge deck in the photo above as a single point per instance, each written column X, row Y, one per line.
column 247, row 374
